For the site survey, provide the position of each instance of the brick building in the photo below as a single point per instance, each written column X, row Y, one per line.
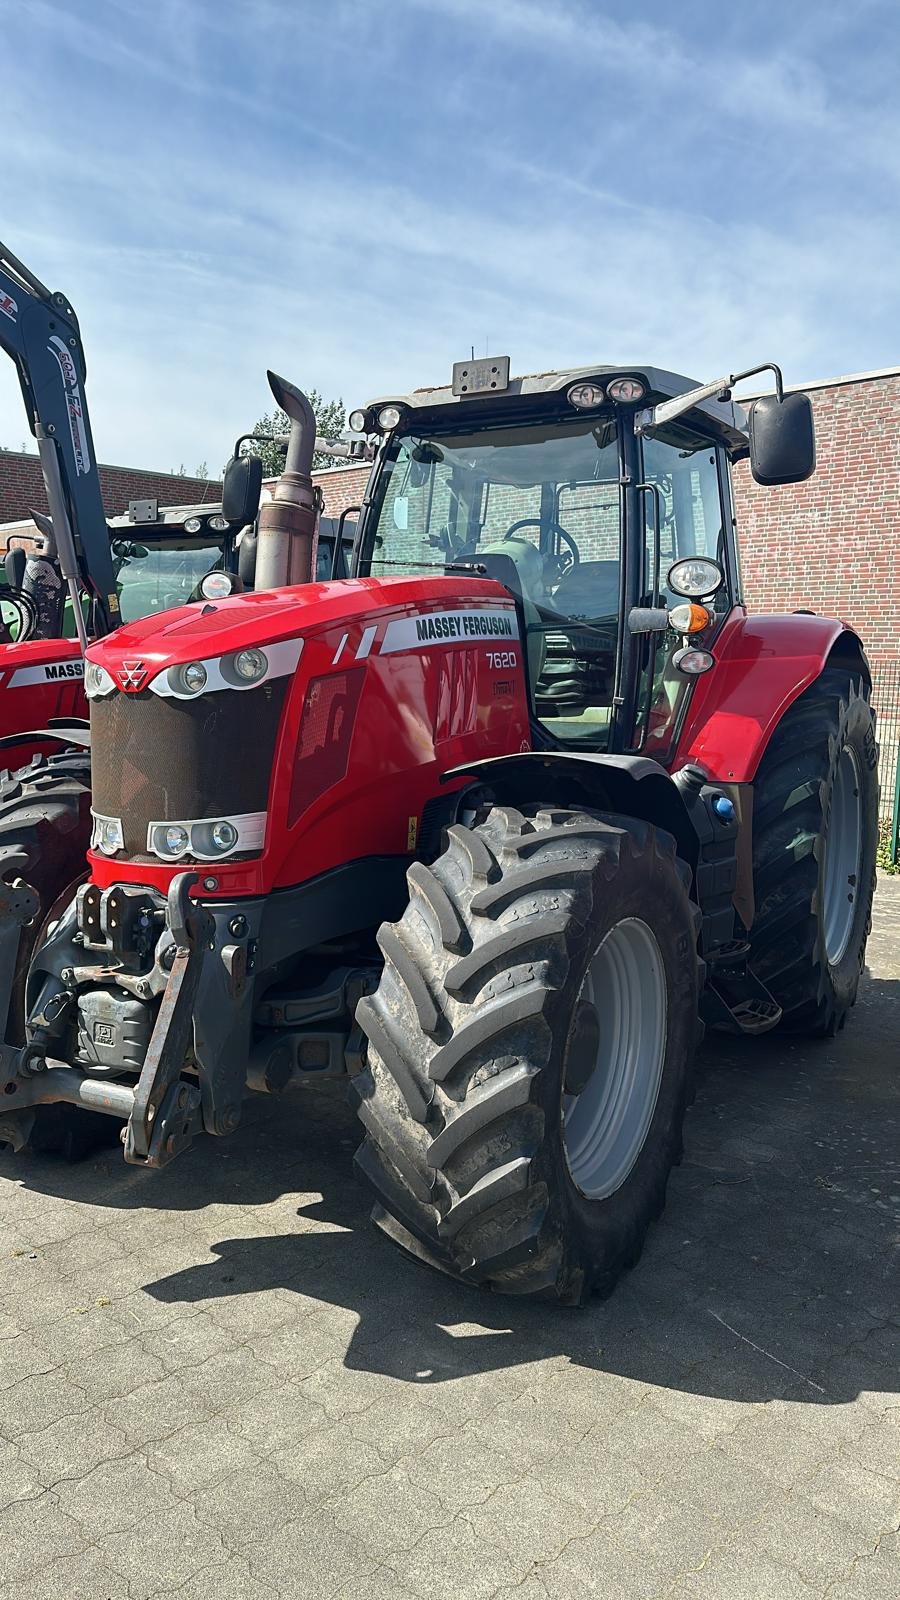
column 833, row 543
column 22, row 487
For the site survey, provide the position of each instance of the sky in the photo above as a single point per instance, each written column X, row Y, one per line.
column 357, row 192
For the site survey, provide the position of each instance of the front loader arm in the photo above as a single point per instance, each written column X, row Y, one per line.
column 39, row 330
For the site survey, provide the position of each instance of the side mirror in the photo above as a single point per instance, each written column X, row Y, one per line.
column 782, row 439
column 241, row 489
column 14, row 564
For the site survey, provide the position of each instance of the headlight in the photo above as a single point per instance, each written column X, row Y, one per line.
column 208, row 839
column 193, row 524
column 249, row 665
column 388, row 417
column 240, row 669
column 695, row 576
column 585, row 395
column 216, row 585
column 190, row 679
column 623, row 389
column 219, row 523
column 106, row 834
column 357, row 422
column 169, row 840
column 692, row 662
column 97, row 681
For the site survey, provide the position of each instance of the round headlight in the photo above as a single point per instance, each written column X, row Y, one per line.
column 215, row 585
column 695, row 576
column 250, row 665
column 97, row 681
column 357, row 422
column 219, row 523
column 190, row 679
column 175, row 839
column 585, row 395
column 388, row 417
column 224, row 835
column 625, row 389
column 193, row 524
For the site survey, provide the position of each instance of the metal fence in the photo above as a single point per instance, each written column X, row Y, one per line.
column 886, row 701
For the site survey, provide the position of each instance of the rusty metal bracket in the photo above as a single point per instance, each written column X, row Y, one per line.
column 192, row 928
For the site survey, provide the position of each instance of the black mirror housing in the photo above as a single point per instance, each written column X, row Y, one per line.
column 241, row 489
column 782, row 439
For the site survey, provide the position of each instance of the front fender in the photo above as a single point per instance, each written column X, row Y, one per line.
column 763, row 664
column 634, row 785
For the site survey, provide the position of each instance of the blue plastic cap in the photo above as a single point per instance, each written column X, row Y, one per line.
column 723, row 807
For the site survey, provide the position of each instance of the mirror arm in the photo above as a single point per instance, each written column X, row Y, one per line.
column 719, row 389
column 346, row 449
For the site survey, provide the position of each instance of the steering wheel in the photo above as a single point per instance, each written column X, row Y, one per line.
column 559, row 563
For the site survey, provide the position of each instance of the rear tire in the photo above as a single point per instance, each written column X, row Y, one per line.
column 45, row 831
column 483, row 1033
column 815, row 838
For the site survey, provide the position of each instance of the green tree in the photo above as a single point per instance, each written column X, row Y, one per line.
column 330, row 420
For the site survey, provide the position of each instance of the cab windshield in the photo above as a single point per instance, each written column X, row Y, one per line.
column 154, row 577
column 538, row 508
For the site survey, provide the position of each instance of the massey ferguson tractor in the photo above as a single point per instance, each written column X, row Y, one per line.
column 490, row 828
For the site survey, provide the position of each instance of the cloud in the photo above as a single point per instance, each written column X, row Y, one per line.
column 356, row 204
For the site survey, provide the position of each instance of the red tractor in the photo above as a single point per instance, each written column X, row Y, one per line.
column 489, row 827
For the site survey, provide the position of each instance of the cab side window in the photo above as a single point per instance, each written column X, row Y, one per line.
column 684, row 468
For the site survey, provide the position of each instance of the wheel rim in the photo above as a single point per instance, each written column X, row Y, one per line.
column 843, row 849
column 618, row 1043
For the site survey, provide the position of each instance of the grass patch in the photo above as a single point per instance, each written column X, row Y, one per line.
column 883, row 857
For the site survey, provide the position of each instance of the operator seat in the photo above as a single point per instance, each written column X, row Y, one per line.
column 589, row 589
column 579, row 664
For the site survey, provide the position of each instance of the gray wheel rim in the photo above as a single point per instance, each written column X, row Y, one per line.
column 843, row 851
column 605, row 1125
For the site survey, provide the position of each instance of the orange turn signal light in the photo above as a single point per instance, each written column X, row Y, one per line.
column 689, row 618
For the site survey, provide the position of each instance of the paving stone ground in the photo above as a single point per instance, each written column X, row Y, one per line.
column 218, row 1382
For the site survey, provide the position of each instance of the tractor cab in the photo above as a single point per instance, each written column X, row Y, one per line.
column 600, row 498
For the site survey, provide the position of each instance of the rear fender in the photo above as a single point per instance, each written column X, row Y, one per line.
column 762, row 665
column 632, row 785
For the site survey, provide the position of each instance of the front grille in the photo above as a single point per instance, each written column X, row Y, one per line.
column 155, row 759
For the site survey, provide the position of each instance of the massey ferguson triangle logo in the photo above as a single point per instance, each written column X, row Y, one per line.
column 132, row 674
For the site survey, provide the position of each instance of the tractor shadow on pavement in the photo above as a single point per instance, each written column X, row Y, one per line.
column 769, row 1275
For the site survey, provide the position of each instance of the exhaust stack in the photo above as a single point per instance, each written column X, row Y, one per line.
column 288, row 523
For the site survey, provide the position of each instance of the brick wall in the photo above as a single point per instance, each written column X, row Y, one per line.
column 832, row 543
column 22, row 487
column 341, row 486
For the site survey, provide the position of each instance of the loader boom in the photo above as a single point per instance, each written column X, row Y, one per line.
column 39, row 330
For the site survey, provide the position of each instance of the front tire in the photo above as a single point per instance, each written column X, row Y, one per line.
column 529, row 1050
column 815, row 838
column 45, row 831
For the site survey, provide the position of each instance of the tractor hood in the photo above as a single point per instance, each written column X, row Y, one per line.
column 136, row 653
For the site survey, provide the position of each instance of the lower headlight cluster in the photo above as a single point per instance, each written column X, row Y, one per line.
column 207, row 838
column 106, row 834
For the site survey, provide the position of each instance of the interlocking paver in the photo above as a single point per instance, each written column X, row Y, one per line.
column 217, row 1383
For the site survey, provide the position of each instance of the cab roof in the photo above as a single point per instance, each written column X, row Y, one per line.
column 729, row 420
